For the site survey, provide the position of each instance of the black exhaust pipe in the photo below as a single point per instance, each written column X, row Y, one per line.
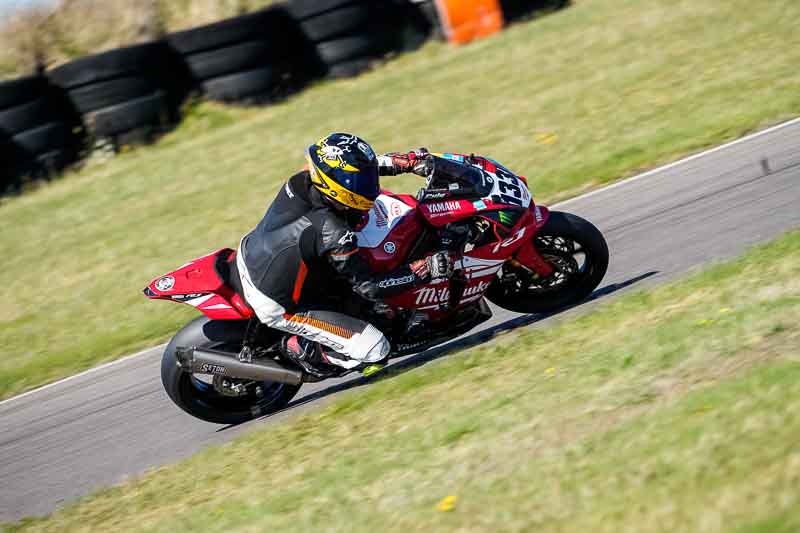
column 206, row 361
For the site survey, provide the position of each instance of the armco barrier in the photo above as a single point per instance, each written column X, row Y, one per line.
column 253, row 59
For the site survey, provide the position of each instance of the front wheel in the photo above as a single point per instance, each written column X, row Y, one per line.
column 578, row 252
column 233, row 402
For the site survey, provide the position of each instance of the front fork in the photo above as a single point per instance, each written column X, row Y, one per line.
column 527, row 256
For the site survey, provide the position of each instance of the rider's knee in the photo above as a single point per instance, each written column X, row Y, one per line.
column 371, row 346
column 377, row 352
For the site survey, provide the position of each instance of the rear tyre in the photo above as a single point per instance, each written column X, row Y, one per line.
column 199, row 398
column 579, row 253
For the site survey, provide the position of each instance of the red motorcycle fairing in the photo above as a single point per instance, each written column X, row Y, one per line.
column 198, row 283
column 393, row 225
column 479, row 265
column 527, row 254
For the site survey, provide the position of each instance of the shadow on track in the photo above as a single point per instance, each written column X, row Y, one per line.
column 474, row 339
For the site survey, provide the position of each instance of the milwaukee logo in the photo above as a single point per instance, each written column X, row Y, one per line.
column 432, row 295
column 443, row 207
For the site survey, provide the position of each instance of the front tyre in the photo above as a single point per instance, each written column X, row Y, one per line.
column 578, row 252
column 200, row 397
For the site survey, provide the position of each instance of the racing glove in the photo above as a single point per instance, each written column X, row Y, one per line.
column 433, row 267
column 418, row 162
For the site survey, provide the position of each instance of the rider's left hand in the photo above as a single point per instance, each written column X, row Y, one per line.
column 436, row 266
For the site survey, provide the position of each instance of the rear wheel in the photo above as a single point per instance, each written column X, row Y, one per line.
column 212, row 400
column 579, row 254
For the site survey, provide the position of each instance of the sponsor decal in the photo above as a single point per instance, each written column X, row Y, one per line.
column 454, row 186
column 165, row 283
column 389, row 247
column 454, row 157
column 347, row 238
column 511, row 240
column 396, row 210
column 380, row 217
column 382, row 208
column 537, row 213
column 479, row 205
column 505, row 218
column 443, row 207
column 288, row 189
column 411, row 345
column 431, row 295
column 367, row 151
column 393, row 282
column 435, row 195
column 212, row 369
column 192, row 296
column 332, row 344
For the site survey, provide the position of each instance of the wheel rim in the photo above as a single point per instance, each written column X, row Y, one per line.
column 567, row 256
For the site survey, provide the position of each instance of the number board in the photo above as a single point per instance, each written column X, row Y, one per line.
column 507, row 188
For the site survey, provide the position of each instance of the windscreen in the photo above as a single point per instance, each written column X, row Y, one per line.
column 446, row 171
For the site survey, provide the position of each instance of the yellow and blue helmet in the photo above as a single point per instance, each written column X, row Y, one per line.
column 344, row 168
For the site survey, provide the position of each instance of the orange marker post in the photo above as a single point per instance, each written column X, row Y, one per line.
column 465, row 20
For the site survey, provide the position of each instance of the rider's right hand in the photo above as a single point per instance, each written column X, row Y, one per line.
column 418, row 161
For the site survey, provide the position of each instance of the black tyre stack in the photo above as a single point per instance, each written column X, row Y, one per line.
column 39, row 134
column 425, row 21
column 245, row 59
column 348, row 35
column 519, row 9
column 131, row 91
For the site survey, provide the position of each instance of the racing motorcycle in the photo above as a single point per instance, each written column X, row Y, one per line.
column 517, row 255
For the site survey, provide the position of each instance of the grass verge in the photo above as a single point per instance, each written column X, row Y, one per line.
column 572, row 101
column 668, row 410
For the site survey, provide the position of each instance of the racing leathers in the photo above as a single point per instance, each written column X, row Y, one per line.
column 295, row 258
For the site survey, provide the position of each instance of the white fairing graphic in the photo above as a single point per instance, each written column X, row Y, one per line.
column 507, row 187
column 383, row 217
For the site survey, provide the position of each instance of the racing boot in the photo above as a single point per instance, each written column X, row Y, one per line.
column 310, row 356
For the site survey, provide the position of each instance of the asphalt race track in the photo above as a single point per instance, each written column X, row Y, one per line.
column 102, row 426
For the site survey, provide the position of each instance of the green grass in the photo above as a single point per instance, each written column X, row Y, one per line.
column 572, row 101
column 669, row 410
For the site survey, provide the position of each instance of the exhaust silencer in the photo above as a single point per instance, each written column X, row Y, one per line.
column 227, row 364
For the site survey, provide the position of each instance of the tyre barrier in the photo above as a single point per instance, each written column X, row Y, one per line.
column 137, row 91
column 127, row 89
column 246, row 59
column 519, row 9
column 39, row 131
column 347, row 36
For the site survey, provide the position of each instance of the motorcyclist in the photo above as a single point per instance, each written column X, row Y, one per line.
column 306, row 243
